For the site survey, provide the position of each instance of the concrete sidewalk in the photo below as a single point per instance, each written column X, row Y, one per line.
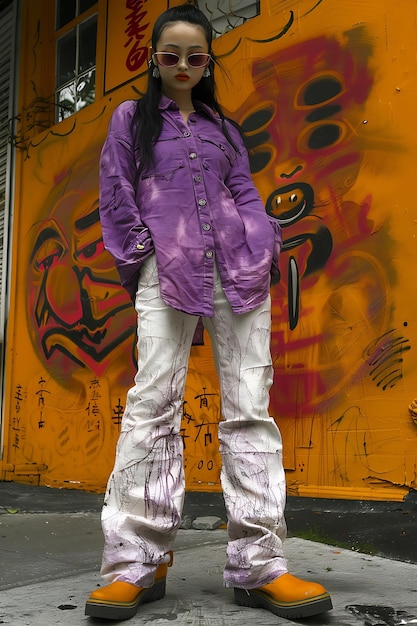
column 49, row 563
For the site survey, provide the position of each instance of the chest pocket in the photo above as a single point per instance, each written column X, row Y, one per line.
column 164, row 173
column 168, row 158
column 215, row 152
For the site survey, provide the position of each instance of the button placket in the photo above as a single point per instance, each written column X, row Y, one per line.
column 201, row 197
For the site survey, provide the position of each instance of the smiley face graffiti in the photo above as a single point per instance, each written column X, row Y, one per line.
column 304, row 124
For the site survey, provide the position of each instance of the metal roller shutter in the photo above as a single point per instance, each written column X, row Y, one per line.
column 7, row 51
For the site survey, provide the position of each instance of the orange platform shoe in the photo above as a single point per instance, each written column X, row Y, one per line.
column 120, row 600
column 287, row 596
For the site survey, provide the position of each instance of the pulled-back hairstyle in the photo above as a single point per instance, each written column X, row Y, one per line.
column 147, row 120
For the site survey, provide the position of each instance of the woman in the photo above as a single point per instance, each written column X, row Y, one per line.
column 191, row 238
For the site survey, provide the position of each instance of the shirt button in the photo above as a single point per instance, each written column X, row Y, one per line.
column 186, row 134
column 209, row 254
column 206, row 227
column 193, row 155
column 202, row 202
column 197, row 179
column 140, row 246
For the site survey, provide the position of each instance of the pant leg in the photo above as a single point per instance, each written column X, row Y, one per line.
column 253, row 477
column 145, row 493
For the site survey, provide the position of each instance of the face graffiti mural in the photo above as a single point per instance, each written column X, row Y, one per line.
column 81, row 319
column 305, row 123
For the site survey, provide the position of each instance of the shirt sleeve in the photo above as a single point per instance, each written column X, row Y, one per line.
column 125, row 236
column 247, row 198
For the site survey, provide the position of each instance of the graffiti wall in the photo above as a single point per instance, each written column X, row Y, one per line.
column 325, row 92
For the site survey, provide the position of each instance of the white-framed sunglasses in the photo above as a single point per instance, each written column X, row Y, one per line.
column 171, row 59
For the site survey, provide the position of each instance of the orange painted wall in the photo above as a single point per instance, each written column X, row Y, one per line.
column 326, row 92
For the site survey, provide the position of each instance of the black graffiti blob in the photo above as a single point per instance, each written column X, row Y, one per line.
column 374, row 615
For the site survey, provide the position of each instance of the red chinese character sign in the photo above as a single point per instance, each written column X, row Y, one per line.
column 128, row 35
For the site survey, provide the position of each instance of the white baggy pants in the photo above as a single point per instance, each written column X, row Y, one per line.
column 145, row 493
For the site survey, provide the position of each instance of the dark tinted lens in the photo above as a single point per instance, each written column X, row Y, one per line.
column 198, row 59
column 167, row 59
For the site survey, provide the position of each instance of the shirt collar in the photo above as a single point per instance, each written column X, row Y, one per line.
column 166, row 104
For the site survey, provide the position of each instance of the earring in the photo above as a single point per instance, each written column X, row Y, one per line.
column 155, row 72
column 206, row 72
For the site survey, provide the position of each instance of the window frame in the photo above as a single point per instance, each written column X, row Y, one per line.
column 61, row 114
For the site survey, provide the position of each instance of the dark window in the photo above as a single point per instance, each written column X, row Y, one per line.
column 67, row 10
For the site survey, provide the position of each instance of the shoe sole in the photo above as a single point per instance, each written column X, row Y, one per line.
column 125, row 610
column 255, row 599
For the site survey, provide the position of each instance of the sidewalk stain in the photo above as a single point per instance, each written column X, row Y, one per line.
column 374, row 615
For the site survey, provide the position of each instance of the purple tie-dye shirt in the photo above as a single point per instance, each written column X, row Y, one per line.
column 197, row 207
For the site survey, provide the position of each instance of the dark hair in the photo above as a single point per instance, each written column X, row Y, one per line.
column 147, row 120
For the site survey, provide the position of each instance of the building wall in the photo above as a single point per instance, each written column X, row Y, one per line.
column 327, row 94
